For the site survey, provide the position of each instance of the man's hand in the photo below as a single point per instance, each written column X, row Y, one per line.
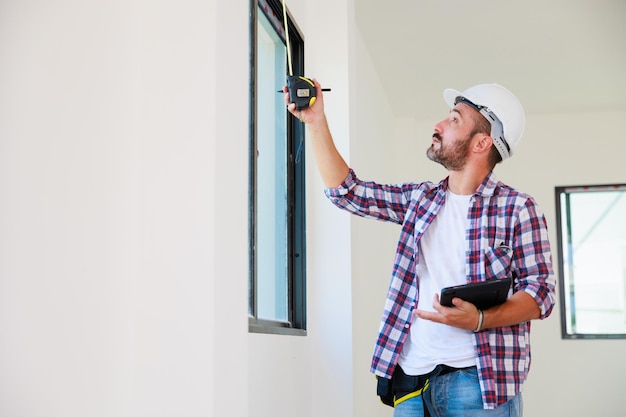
column 519, row 308
column 463, row 315
column 311, row 114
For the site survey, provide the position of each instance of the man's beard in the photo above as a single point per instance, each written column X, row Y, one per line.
column 452, row 157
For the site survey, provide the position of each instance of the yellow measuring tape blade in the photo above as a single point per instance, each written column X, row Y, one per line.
column 287, row 38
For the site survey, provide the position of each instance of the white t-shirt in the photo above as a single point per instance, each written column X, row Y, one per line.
column 441, row 264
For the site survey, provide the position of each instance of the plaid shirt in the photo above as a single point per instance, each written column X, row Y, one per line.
column 507, row 236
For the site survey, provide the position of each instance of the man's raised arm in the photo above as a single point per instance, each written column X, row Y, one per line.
column 332, row 167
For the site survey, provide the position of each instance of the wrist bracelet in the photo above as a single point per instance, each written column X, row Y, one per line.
column 481, row 318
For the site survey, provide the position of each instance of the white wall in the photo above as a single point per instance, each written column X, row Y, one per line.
column 123, row 206
column 118, row 138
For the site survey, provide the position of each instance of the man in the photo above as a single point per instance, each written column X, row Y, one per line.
column 433, row 360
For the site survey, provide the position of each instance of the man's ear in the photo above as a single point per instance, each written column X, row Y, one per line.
column 483, row 143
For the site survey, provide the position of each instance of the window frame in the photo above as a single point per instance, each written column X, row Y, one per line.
column 296, row 222
column 564, row 236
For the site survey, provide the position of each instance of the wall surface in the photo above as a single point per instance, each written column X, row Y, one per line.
column 116, row 132
column 123, row 178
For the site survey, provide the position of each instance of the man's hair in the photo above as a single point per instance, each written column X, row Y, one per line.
column 482, row 125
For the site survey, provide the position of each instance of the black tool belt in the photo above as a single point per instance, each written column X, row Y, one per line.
column 401, row 387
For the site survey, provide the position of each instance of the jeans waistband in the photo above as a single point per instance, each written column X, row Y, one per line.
column 445, row 369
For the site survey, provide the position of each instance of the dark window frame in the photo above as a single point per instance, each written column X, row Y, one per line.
column 296, row 235
column 566, row 299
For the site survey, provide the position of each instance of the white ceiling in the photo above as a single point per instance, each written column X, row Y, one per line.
column 555, row 55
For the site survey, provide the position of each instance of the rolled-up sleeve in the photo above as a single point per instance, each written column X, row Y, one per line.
column 334, row 194
column 533, row 258
column 369, row 199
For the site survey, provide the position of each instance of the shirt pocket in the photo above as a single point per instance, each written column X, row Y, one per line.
column 498, row 262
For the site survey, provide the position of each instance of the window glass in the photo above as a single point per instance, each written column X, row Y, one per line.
column 271, row 207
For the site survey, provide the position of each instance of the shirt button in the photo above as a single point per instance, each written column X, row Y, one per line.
column 407, row 325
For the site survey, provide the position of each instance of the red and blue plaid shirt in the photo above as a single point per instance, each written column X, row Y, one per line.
column 507, row 237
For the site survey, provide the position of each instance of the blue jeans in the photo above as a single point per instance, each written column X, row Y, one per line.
column 456, row 394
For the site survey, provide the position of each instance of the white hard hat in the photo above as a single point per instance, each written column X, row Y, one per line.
column 494, row 100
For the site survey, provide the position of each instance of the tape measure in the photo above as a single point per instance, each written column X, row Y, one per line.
column 302, row 90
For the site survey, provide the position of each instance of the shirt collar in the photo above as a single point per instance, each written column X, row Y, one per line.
column 486, row 189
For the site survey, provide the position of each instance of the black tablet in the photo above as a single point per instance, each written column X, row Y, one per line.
column 482, row 294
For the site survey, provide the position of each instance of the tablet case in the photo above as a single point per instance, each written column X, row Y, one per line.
column 482, row 294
